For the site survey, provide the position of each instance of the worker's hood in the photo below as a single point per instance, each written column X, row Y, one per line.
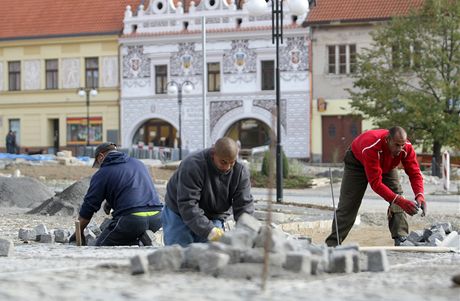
column 115, row 157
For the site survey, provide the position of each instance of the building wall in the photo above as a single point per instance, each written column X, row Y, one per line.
column 34, row 105
column 332, row 87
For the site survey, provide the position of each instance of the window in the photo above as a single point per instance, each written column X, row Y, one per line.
column 341, row 59
column 404, row 56
column 213, row 77
column 51, row 74
column 268, row 75
column 14, row 76
column 161, row 79
column 92, row 72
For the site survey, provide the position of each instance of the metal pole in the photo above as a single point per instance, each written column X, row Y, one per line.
column 276, row 13
column 335, row 210
column 87, row 117
column 205, row 79
column 179, row 99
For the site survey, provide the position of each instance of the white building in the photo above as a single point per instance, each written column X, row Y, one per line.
column 162, row 44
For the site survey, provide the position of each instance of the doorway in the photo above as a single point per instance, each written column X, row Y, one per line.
column 338, row 132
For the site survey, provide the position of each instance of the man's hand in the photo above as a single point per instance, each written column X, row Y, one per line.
column 422, row 204
column 215, row 234
column 410, row 207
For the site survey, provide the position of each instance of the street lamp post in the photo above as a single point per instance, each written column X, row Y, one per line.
column 173, row 88
column 82, row 92
column 258, row 8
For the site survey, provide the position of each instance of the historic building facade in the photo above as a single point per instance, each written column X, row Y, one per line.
column 162, row 46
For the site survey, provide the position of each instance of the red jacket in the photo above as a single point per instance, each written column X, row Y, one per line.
column 371, row 149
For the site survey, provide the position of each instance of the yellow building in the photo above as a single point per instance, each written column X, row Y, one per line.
column 47, row 55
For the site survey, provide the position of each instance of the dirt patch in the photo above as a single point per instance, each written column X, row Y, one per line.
column 23, row 192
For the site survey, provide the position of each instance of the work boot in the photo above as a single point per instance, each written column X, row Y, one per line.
column 147, row 238
column 400, row 240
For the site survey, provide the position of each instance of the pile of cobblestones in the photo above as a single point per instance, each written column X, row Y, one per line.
column 240, row 254
column 439, row 234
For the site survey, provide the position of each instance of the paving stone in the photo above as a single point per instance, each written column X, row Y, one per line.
column 233, row 252
column 276, row 239
column 415, row 236
column 446, row 226
column 46, row 238
column 95, row 229
column 168, row 258
column 250, row 271
column 90, row 237
column 452, row 240
column 6, row 247
column 139, row 265
column 41, row 229
column 342, row 262
column 407, row 243
column 240, row 238
column 61, row 236
column 192, row 253
column 377, row 261
column 426, row 234
column 27, row 234
column 256, row 255
column 299, row 262
column 248, row 222
column 210, row 262
column 438, row 234
column 317, row 265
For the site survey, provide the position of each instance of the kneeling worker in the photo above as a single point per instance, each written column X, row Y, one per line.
column 201, row 193
column 127, row 187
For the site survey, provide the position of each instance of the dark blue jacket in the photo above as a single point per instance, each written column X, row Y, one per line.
column 124, row 183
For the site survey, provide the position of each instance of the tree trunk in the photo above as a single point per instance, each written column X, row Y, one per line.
column 437, row 161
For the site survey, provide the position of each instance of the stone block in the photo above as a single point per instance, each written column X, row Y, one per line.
column 61, row 236
column 354, row 250
column 415, row 236
column 256, row 255
column 377, row 261
column 6, row 247
column 249, row 223
column 95, row 229
column 298, row 262
column 90, row 237
column 192, row 253
column 249, row 271
column 169, row 258
column 426, row 234
column 46, row 238
column 342, row 262
column 239, row 238
column 317, row 265
column 139, row 265
column 452, row 240
column 438, row 234
column 41, row 229
column 27, row 234
column 233, row 252
column 446, row 226
column 276, row 239
column 210, row 262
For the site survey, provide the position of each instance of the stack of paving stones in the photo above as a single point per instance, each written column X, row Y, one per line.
column 41, row 234
column 6, row 247
column 439, row 234
column 240, row 254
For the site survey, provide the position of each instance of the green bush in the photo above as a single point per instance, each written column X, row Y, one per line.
column 266, row 162
column 292, row 182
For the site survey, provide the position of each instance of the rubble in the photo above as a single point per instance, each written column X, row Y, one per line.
column 22, row 192
column 241, row 254
column 439, row 234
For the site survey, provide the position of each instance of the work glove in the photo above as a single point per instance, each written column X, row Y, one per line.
column 410, row 207
column 421, row 204
column 215, row 234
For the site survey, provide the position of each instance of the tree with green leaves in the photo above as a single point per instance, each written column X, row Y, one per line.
column 411, row 76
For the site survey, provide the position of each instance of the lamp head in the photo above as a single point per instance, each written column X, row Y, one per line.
column 298, row 7
column 93, row 92
column 188, row 87
column 81, row 92
column 257, row 7
column 172, row 89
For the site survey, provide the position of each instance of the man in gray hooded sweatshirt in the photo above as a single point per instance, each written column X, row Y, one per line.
column 202, row 192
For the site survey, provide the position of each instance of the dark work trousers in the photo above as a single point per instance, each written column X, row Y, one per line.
column 354, row 184
column 125, row 230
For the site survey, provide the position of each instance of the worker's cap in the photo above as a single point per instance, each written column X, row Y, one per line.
column 102, row 148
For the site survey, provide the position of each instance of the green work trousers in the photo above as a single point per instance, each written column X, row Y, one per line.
column 354, row 184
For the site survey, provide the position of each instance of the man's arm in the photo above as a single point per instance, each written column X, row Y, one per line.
column 190, row 184
column 412, row 170
column 243, row 201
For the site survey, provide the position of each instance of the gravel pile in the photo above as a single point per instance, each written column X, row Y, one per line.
column 65, row 203
column 22, row 192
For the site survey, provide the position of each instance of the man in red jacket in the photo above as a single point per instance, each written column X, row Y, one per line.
column 373, row 158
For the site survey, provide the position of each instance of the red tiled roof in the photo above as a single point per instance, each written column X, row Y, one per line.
column 327, row 11
column 44, row 18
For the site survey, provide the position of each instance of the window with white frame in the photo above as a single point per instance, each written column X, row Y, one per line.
column 213, row 77
column 161, row 79
column 14, row 76
column 268, row 75
column 341, row 59
column 51, row 74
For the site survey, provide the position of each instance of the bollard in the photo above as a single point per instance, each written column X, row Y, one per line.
column 446, row 170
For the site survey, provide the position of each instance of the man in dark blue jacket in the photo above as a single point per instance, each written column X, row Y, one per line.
column 127, row 187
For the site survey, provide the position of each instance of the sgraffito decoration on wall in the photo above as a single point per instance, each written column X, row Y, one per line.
column 270, row 105
column 294, row 56
column 220, row 108
column 239, row 62
column 135, row 63
column 186, row 61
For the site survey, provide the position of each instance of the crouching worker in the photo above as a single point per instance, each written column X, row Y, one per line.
column 127, row 187
column 202, row 192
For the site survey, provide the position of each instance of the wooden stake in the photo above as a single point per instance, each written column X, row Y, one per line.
column 77, row 233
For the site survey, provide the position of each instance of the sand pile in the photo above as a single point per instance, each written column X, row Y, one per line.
column 65, row 203
column 23, row 192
